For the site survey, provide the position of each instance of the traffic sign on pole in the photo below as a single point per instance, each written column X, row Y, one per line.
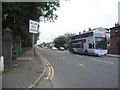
column 33, row 26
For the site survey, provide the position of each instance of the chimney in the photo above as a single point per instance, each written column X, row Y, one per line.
column 83, row 30
column 89, row 29
column 117, row 24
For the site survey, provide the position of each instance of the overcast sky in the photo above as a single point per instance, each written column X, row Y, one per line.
column 76, row 15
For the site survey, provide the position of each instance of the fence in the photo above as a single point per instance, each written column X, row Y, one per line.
column 10, row 49
column 20, row 51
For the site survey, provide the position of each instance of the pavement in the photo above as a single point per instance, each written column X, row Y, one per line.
column 25, row 73
column 113, row 55
column 0, row 82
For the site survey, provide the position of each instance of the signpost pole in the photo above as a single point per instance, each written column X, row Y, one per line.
column 33, row 28
column 33, row 44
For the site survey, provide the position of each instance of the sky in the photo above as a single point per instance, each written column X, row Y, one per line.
column 74, row 16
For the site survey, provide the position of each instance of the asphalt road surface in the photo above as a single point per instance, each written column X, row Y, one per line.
column 80, row 71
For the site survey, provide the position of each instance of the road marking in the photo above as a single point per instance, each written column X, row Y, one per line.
column 79, row 56
column 63, row 57
column 50, row 68
column 101, row 61
column 34, row 83
column 81, row 64
column 48, row 73
column 52, row 73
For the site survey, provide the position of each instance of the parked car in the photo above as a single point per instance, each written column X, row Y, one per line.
column 54, row 48
column 61, row 48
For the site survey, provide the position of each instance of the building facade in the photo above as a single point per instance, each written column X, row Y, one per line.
column 114, row 47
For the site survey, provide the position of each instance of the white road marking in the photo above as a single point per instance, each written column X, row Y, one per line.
column 81, row 64
column 79, row 56
column 101, row 61
column 63, row 57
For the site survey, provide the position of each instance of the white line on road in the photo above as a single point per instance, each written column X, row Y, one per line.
column 79, row 56
column 63, row 57
column 81, row 64
column 101, row 61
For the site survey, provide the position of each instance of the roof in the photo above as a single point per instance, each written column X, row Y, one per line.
column 102, row 29
column 115, row 27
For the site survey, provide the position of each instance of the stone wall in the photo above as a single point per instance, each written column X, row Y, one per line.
column 7, row 47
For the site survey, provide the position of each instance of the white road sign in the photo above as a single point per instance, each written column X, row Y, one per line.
column 33, row 26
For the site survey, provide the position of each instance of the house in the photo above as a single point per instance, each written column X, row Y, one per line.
column 114, row 47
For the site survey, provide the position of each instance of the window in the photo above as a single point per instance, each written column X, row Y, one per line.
column 87, row 35
column 82, row 36
column 84, row 40
column 77, row 46
column 116, row 31
column 100, row 39
column 91, row 45
column 101, row 45
column 99, row 35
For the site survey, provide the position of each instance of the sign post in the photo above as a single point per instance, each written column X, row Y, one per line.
column 33, row 28
column 33, row 45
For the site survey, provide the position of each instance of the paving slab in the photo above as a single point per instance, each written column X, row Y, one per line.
column 24, row 73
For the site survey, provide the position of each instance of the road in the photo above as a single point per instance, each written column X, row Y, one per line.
column 80, row 71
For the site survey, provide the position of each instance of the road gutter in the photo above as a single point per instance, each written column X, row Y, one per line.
column 112, row 55
column 46, row 65
column 36, row 81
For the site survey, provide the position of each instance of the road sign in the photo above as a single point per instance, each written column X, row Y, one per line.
column 33, row 26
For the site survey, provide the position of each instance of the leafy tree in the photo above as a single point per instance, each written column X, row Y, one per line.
column 16, row 16
column 60, row 41
column 63, row 41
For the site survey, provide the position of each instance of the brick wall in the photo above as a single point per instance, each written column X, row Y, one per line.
column 114, row 40
column 114, row 51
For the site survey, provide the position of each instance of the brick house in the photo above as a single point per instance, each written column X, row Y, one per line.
column 114, row 47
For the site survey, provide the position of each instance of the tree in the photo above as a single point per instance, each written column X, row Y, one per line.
column 16, row 15
column 63, row 41
column 60, row 41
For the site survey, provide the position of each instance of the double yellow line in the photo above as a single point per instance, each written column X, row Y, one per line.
column 49, row 67
column 50, row 70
